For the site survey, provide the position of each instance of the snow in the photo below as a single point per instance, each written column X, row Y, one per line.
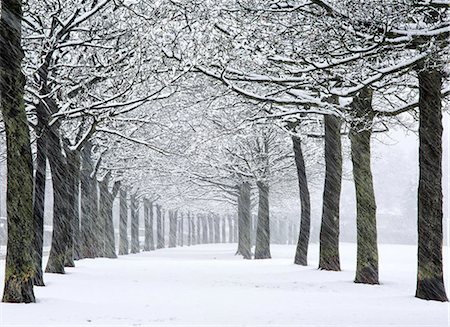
column 207, row 285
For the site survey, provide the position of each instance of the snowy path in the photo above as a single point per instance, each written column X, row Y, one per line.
column 207, row 284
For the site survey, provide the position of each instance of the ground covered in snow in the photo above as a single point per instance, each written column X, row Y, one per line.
column 208, row 285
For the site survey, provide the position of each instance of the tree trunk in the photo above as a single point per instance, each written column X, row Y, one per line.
column 329, row 231
column 262, row 247
column 230, row 230
column 360, row 133
column 216, row 221
column 134, row 213
column 244, row 221
column 61, row 219
column 301, row 253
column 172, row 229
column 189, row 225
column 19, row 267
column 205, row 233
column 38, row 204
column 73, row 164
column 181, row 229
column 123, row 223
column 223, row 225
column 159, row 228
column 147, row 228
column 210, row 221
column 151, row 223
column 430, row 282
column 89, row 210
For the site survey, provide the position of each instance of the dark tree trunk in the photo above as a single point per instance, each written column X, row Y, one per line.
column 329, row 231
column 70, row 202
column 123, row 223
column 89, row 210
column 106, row 217
column 301, row 253
column 19, row 267
column 134, row 213
column 216, row 221
column 159, row 228
column 430, row 282
column 73, row 164
column 61, row 219
column 244, row 221
column 38, row 204
column 366, row 224
column 262, row 248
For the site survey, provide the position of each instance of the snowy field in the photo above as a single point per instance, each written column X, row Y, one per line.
column 207, row 285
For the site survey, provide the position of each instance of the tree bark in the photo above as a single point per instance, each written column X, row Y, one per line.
column 230, row 230
column 73, row 164
column 205, row 233
column 89, row 205
column 329, row 231
column 61, row 219
column 19, row 267
column 262, row 247
column 244, row 221
column 134, row 213
column 366, row 223
column 147, row 227
column 223, row 223
column 38, row 203
column 123, row 223
column 301, row 253
column 216, row 221
column 172, row 229
column 159, row 228
column 430, row 282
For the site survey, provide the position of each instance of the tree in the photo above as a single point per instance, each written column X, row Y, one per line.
column 19, row 267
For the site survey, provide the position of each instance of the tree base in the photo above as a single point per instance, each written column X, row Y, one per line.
column 18, row 291
column 331, row 264
column 367, row 276
column 431, row 289
column 300, row 260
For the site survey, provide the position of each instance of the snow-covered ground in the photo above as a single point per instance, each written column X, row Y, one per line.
column 208, row 285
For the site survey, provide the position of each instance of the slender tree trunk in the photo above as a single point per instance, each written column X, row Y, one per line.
column 19, row 267
column 244, row 221
column 329, row 231
column 123, row 223
column 210, row 221
column 73, row 164
column 230, row 229
column 150, row 222
column 301, row 253
column 172, row 229
column 360, row 133
column 205, row 233
column 189, row 225
column 70, row 202
column 106, row 216
column 61, row 219
column 147, row 227
column 134, row 224
column 223, row 223
column 430, row 282
column 38, row 205
column 199, row 229
column 89, row 211
column 262, row 247
column 181, row 229
column 216, row 221
column 159, row 228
